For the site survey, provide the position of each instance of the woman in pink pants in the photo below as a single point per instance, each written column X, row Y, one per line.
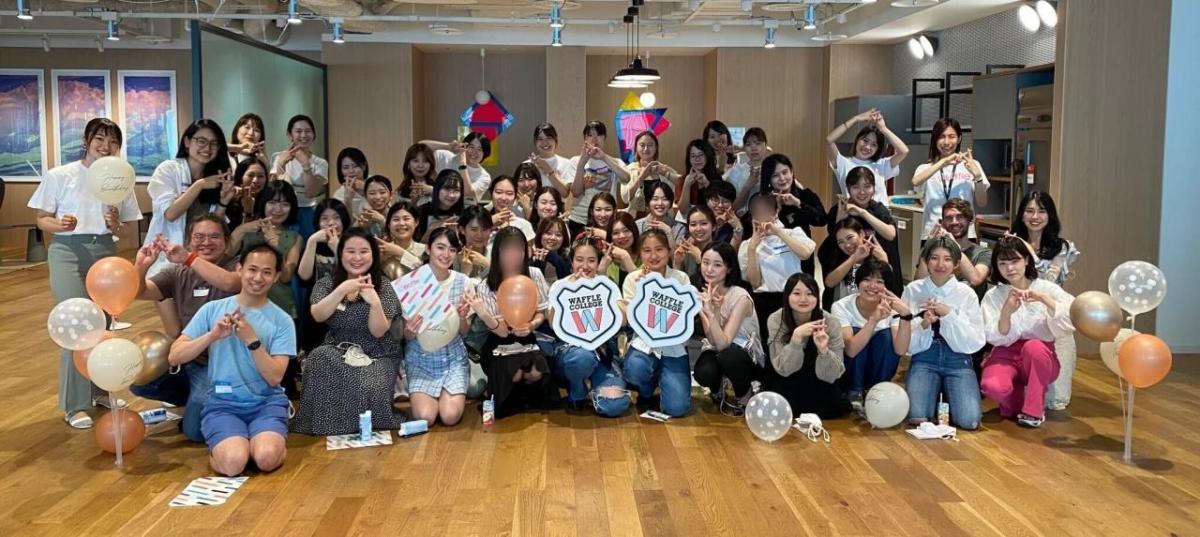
column 1022, row 315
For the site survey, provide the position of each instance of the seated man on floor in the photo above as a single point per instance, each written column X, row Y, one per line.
column 199, row 274
column 249, row 342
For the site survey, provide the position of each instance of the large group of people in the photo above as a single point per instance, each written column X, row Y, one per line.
column 277, row 287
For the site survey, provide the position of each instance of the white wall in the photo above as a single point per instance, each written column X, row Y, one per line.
column 1179, row 257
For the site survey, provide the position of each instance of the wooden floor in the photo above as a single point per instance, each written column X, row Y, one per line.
column 560, row 474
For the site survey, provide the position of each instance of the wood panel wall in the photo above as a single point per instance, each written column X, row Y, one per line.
column 518, row 79
column 17, row 195
column 569, row 90
column 1111, row 74
column 681, row 92
column 372, row 103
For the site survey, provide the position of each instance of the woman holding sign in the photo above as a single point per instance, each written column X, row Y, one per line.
column 579, row 367
column 644, row 364
column 437, row 378
column 84, row 231
column 517, row 371
column 731, row 349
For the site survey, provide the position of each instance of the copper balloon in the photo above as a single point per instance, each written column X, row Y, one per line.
column 133, row 431
column 1144, row 360
column 112, row 283
column 155, row 346
column 1096, row 315
column 80, row 357
column 393, row 268
column 517, row 301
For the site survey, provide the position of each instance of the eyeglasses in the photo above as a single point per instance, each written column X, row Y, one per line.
column 475, row 148
column 278, row 203
column 720, row 202
column 201, row 237
column 203, row 143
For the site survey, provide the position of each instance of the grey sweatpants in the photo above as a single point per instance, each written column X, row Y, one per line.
column 70, row 258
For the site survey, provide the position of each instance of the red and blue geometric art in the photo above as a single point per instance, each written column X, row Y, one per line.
column 633, row 119
column 491, row 118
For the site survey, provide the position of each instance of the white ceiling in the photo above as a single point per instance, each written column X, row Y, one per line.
column 595, row 24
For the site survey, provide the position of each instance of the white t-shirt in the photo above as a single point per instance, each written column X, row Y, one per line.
column 738, row 174
column 776, row 260
column 480, row 179
column 357, row 205
column 883, row 171
column 560, row 164
column 294, row 172
column 952, row 181
column 61, row 192
column 847, row 312
column 606, row 182
column 170, row 180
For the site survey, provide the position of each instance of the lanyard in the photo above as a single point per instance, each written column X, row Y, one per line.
column 947, row 185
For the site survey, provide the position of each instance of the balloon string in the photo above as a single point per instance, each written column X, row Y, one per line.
column 117, row 415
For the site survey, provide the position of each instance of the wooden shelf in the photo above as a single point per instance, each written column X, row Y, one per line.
column 993, row 222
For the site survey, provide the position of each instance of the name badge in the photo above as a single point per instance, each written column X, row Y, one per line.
column 222, row 387
column 341, row 306
column 200, row 292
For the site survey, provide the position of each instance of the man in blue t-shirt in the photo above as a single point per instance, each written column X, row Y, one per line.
column 249, row 342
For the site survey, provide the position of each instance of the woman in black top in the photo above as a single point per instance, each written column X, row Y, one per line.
column 799, row 207
column 861, row 203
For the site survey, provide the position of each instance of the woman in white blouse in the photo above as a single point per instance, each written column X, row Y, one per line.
column 198, row 180
column 949, row 173
column 1023, row 315
column 949, row 329
column 308, row 173
column 84, row 231
column 771, row 255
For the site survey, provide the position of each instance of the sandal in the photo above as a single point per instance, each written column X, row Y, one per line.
column 79, row 420
column 104, row 401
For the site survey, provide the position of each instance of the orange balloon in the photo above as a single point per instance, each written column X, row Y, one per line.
column 80, row 357
column 133, row 431
column 112, row 283
column 1144, row 360
column 517, row 301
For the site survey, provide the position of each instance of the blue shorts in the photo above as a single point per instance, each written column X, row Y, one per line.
column 221, row 419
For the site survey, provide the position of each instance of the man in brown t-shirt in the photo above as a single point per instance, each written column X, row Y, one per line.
column 199, row 274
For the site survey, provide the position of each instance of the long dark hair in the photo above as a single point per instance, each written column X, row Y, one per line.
column 376, row 273
column 446, row 178
column 506, row 235
column 338, row 207
column 534, row 218
column 249, row 118
column 406, row 184
column 719, row 127
column 546, row 225
column 710, row 158
column 607, row 198
column 769, row 164
column 936, row 132
column 1051, row 243
column 788, row 324
column 220, row 161
column 729, row 256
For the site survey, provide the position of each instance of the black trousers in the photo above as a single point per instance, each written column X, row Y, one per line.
column 733, row 362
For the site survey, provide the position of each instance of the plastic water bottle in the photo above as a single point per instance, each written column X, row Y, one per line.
column 415, row 427
column 364, row 426
column 154, row 415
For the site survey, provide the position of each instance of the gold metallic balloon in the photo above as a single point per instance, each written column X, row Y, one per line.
column 1096, row 315
column 393, row 268
column 155, row 346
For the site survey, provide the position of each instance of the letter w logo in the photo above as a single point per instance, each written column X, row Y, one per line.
column 660, row 318
column 587, row 323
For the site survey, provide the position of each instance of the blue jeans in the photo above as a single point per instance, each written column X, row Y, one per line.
column 578, row 366
column 188, row 387
column 672, row 374
column 876, row 363
column 941, row 370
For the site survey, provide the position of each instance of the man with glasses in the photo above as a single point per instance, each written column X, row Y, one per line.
column 198, row 274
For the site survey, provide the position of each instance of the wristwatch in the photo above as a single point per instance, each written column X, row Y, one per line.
column 908, row 317
column 254, row 345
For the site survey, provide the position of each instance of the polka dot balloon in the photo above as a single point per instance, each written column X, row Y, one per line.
column 1137, row 286
column 76, row 324
column 769, row 416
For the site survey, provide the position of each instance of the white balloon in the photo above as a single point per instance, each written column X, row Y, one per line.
column 114, row 364
column 110, row 179
column 769, row 416
column 886, row 405
column 435, row 337
column 1137, row 286
column 76, row 324
column 647, row 99
column 1110, row 349
column 483, row 97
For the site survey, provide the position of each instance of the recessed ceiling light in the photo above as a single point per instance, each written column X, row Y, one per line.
column 1029, row 18
column 1046, row 12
